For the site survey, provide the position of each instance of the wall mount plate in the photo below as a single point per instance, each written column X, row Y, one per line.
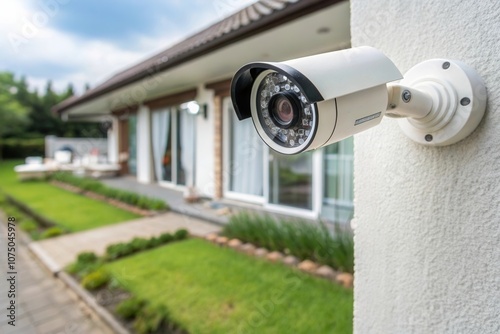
column 458, row 102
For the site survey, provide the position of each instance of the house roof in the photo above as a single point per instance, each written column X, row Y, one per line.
column 259, row 16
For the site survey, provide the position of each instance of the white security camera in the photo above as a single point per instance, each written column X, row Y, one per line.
column 306, row 103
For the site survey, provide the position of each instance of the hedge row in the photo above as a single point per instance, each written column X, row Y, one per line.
column 98, row 187
column 13, row 148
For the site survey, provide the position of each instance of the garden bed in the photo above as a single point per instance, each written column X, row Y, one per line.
column 202, row 288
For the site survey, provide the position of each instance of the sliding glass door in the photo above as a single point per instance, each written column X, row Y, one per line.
column 174, row 140
column 244, row 168
column 132, row 142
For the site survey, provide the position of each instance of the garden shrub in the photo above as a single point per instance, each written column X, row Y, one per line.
column 129, row 308
column 166, row 238
column 139, row 244
column 86, row 263
column 96, row 280
column 154, row 242
column 52, row 232
column 98, row 187
column 119, row 250
column 181, row 234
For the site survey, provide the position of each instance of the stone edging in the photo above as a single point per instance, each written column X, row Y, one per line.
column 307, row 266
column 111, row 201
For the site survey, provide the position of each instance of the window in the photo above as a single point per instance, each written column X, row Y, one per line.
column 132, row 148
column 173, row 139
column 338, row 181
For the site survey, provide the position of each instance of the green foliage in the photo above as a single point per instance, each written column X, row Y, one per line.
column 210, row 289
column 96, row 279
column 27, row 114
column 166, row 238
column 86, row 263
column 119, row 250
column 87, row 258
column 52, row 232
column 13, row 148
column 156, row 319
column 139, row 244
column 28, row 225
column 129, row 308
column 181, row 234
column 302, row 239
column 121, row 195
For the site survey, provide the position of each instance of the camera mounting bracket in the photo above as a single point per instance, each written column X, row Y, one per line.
column 439, row 102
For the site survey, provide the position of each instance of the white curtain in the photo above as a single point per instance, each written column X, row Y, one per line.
column 246, row 155
column 188, row 139
column 161, row 136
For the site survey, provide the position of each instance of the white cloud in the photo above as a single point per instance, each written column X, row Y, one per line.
column 31, row 47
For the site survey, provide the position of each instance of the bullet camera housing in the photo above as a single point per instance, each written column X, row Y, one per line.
column 306, row 103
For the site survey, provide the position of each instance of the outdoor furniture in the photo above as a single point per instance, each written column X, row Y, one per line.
column 102, row 170
column 33, row 169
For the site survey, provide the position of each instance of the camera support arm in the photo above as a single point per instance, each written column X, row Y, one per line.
column 439, row 102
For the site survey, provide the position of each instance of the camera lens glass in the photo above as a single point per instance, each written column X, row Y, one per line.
column 284, row 112
column 284, row 109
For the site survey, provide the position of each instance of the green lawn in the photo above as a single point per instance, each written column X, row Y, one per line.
column 217, row 290
column 72, row 211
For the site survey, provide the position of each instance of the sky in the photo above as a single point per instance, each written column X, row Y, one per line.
column 87, row 41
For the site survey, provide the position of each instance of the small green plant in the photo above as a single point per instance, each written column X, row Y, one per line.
column 129, row 308
column 87, row 257
column 156, row 319
column 86, row 263
column 119, row 250
column 28, row 225
column 181, row 234
column 166, row 238
column 95, row 280
column 154, row 242
column 139, row 244
column 52, row 232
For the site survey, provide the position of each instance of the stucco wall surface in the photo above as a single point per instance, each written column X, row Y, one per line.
column 427, row 220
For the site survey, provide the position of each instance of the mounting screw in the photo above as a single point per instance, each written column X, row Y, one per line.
column 446, row 65
column 406, row 96
column 465, row 101
column 428, row 138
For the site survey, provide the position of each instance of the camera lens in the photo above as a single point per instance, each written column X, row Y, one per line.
column 283, row 109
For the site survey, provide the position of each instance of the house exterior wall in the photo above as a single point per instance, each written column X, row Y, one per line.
column 204, row 170
column 427, row 220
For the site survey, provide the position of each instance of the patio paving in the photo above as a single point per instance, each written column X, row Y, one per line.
column 173, row 197
column 44, row 305
column 57, row 253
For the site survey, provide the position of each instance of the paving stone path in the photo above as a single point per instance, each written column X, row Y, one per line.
column 57, row 253
column 44, row 305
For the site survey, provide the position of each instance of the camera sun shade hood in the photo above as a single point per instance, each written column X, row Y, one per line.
column 243, row 80
column 355, row 69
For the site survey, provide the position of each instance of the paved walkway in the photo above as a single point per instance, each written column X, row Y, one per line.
column 173, row 197
column 44, row 305
column 58, row 252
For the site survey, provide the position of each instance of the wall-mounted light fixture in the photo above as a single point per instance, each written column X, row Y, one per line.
column 194, row 108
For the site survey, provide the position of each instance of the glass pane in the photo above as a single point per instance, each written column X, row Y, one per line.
column 132, row 148
column 290, row 180
column 162, row 144
column 245, row 157
column 338, row 186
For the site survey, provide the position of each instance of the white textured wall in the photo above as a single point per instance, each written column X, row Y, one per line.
column 427, row 220
column 205, row 145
